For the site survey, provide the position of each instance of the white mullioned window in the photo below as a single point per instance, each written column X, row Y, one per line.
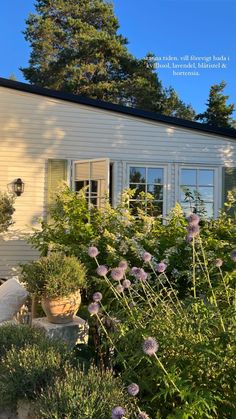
column 147, row 180
column 94, row 175
column 197, row 190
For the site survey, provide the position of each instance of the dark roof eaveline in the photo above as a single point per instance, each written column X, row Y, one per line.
column 152, row 116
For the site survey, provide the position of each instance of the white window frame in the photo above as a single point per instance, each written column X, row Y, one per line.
column 74, row 162
column 217, row 184
column 156, row 165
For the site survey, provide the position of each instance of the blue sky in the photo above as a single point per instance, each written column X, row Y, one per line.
column 176, row 28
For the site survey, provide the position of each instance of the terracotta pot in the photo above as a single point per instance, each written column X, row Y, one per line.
column 61, row 310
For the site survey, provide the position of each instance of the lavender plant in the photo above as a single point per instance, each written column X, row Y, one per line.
column 85, row 395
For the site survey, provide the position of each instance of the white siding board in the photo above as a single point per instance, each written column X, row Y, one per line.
column 13, row 252
column 34, row 128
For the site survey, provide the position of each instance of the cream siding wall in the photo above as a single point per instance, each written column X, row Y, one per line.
column 35, row 128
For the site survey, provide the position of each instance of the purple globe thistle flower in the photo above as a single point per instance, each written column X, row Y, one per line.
column 123, row 264
column 117, row 273
column 193, row 230
column 126, row 283
column 233, row 255
column 218, row 262
column 140, row 274
column 133, row 389
column 119, row 288
column 97, row 296
column 93, row 251
column 93, row 308
column 147, row 257
column 161, row 267
column 150, row 346
column 118, row 412
column 143, row 415
column 102, row 270
column 134, row 270
column 193, row 219
column 189, row 238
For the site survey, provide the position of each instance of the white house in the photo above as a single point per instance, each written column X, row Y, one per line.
column 47, row 136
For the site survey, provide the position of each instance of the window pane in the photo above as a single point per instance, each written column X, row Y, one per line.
column 94, row 186
column 82, row 171
column 206, row 193
column 187, row 209
column 156, row 191
column 187, row 192
column 205, row 177
column 155, row 175
column 137, row 174
column 209, row 210
column 188, row 177
column 79, row 184
column 98, row 169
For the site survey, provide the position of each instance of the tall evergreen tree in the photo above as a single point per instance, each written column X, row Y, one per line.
column 218, row 113
column 173, row 106
column 75, row 47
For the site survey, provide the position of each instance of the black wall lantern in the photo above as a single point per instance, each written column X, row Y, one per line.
column 18, row 186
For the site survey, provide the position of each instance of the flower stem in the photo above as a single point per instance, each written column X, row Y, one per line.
column 194, row 271
column 166, row 372
column 225, row 286
column 110, row 340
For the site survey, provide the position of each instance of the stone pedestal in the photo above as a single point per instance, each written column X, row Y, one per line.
column 7, row 414
column 72, row 333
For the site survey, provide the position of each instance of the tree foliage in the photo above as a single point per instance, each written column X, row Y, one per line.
column 218, row 113
column 76, row 47
column 174, row 106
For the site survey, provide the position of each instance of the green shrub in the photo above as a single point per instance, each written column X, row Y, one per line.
column 55, row 275
column 6, row 211
column 25, row 370
column 18, row 336
column 36, row 369
column 81, row 395
column 120, row 235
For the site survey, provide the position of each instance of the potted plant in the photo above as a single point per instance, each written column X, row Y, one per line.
column 56, row 279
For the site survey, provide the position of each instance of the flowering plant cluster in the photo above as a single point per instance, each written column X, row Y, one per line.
column 159, row 336
column 162, row 303
column 119, row 235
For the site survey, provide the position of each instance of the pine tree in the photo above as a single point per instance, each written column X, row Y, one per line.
column 175, row 107
column 218, row 113
column 75, row 47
